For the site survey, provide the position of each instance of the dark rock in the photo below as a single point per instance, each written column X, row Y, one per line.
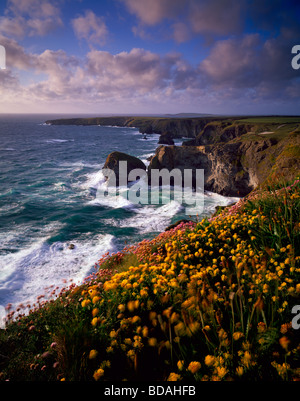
column 113, row 160
column 146, row 129
column 230, row 169
column 166, row 139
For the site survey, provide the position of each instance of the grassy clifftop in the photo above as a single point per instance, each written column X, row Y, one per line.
column 209, row 300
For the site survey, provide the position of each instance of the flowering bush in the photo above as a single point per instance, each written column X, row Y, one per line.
column 213, row 303
column 206, row 301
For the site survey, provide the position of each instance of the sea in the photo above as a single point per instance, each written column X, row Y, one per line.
column 53, row 226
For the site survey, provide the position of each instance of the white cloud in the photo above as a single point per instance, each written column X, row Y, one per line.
column 30, row 17
column 90, row 27
column 239, row 71
column 205, row 17
column 155, row 11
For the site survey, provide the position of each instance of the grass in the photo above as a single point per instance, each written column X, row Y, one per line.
column 205, row 301
column 271, row 120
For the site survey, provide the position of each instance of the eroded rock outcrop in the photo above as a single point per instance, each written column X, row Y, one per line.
column 113, row 163
column 219, row 131
column 230, row 169
column 166, row 139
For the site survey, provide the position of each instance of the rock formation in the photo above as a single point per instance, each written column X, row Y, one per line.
column 234, row 168
column 236, row 153
column 113, row 160
column 166, row 139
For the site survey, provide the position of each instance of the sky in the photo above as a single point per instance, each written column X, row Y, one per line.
column 150, row 56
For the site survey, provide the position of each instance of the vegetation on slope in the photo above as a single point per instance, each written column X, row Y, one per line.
column 210, row 300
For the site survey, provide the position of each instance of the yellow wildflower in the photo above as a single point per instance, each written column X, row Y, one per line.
column 135, row 319
column 131, row 354
column 95, row 321
column 93, row 354
column 221, row 371
column 95, row 312
column 246, row 359
column 237, row 335
column 180, row 365
column 145, row 331
column 113, row 334
column 85, row 302
column 240, row 370
column 98, row 374
column 209, row 360
column 194, row 367
column 284, row 342
column 131, row 306
column 152, row 342
column 173, row 377
column 95, row 299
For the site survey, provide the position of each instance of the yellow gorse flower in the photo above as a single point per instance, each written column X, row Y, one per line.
column 194, row 367
column 196, row 284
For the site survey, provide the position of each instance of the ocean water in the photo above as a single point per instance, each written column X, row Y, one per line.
column 49, row 180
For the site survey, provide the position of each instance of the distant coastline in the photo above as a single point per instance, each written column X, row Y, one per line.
column 237, row 153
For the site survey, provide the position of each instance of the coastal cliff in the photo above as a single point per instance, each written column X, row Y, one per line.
column 178, row 127
column 229, row 169
column 237, row 154
column 235, row 167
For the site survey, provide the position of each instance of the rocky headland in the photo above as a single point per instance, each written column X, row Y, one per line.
column 237, row 154
column 178, row 127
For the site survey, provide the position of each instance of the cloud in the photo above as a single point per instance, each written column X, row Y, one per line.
column 154, row 12
column 33, row 8
column 137, row 71
column 237, row 71
column 16, row 56
column 181, row 32
column 216, row 17
column 213, row 19
column 91, row 28
column 30, row 17
column 205, row 17
column 249, row 61
column 233, row 62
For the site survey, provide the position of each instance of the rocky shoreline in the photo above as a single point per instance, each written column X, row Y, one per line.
column 236, row 154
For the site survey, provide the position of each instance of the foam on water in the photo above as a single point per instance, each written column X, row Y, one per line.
column 214, row 199
column 28, row 272
column 93, row 180
column 151, row 218
column 55, row 141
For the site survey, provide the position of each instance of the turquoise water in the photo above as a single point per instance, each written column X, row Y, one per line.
column 49, row 177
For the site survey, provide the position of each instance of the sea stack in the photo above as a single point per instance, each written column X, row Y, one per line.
column 113, row 163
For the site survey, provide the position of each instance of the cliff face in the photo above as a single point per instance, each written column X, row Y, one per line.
column 237, row 154
column 178, row 127
column 223, row 172
column 232, row 169
column 219, row 131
